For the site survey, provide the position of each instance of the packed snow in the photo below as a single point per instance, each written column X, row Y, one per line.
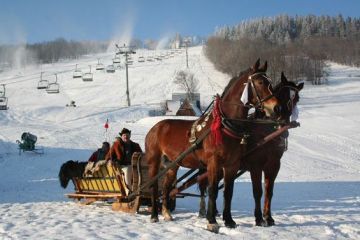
column 317, row 192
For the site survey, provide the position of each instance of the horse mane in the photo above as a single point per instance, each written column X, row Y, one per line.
column 235, row 79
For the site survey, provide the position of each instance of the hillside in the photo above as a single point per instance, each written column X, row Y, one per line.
column 317, row 195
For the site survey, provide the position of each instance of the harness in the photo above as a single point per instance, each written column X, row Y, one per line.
column 227, row 126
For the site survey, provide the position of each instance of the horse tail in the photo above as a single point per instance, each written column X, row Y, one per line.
column 69, row 170
column 63, row 174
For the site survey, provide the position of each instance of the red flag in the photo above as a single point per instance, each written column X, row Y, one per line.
column 106, row 124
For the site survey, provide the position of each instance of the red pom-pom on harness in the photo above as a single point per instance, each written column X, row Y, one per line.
column 216, row 123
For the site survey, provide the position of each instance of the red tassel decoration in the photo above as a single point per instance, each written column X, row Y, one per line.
column 216, row 123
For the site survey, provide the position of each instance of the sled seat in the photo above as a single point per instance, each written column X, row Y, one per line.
column 108, row 182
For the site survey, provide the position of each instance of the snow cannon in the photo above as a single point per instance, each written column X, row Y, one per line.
column 28, row 141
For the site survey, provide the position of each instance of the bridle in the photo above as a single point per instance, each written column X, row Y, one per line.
column 290, row 102
column 259, row 101
column 231, row 129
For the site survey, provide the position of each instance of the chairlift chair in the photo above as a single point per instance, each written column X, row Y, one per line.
column 3, row 99
column 129, row 61
column 42, row 84
column 116, row 60
column 99, row 65
column 3, row 103
column 2, row 90
column 141, row 59
column 110, row 68
column 77, row 73
column 87, row 77
column 53, row 87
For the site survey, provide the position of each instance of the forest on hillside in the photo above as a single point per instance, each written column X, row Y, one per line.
column 299, row 46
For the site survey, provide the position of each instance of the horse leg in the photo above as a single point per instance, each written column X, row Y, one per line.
column 212, row 226
column 167, row 186
column 257, row 193
column 270, row 177
column 202, row 187
column 153, row 169
column 229, row 178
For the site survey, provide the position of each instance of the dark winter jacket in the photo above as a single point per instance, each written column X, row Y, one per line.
column 122, row 153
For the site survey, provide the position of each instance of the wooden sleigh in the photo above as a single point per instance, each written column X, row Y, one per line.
column 108, row 184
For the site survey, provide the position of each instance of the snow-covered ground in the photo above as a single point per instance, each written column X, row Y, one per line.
column 317, row 194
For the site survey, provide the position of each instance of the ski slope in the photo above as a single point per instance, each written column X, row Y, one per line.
column 317, row 193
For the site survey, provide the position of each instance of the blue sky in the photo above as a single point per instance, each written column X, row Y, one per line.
column 43, row 20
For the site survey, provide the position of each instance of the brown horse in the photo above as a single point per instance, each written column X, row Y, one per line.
column 219, row 150
column 267, row 159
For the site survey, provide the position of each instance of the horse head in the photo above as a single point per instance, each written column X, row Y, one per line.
column 253, row 88
column 288, row 94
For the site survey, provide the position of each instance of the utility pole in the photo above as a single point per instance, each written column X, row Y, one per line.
column 126, row 51
column 186, row 43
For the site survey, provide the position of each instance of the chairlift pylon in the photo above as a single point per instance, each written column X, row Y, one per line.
column 87, row 77
column 53, row 87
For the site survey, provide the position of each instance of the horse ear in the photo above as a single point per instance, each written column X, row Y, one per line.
column 264, row 67
column 300, row 86
column 255, row 67
column 283, row 78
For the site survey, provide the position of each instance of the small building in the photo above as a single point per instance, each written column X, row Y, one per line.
column 188, row 109
column 172, row 106
column 182, row 96
column 181, row 106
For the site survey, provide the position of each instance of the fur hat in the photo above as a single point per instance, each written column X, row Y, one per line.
column 124, row 131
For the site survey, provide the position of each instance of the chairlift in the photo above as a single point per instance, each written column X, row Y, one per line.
column 129, row 61
column 3, row 103
column 42, row 84
column 99, row 65
column 116, row 59
column 87, row 77
column 3, row 99
column 141, row 59
column 77, row 73
column 2, row 90
column 110, row 68
column 53, row 87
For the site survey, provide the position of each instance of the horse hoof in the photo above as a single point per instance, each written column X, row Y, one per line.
column 260, row 223
column 213, row 227
column 202, row 214
column 167, row 216
column 154, row 220
column 269, row 223
column 230, row 224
